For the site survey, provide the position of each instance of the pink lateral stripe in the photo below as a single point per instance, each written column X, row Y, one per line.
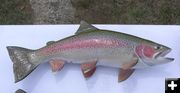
column 87, row 43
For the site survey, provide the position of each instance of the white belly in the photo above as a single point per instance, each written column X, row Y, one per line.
column 111, row 57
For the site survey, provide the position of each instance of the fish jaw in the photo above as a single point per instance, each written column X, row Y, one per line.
column 158, row 58
column 161, row 59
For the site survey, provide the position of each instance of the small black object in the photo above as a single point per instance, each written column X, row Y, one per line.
column 20, row 91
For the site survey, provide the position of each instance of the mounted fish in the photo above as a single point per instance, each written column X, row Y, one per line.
column 91, row 47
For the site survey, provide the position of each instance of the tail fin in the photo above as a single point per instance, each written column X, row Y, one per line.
column 22, row 66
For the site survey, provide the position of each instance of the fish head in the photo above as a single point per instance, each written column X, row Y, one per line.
column 153, row 53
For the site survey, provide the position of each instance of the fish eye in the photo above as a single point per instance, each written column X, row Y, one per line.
column 157, row 47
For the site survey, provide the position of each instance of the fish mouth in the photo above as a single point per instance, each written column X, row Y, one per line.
column 161, row 56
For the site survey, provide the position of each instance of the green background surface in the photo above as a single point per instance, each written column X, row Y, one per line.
column 92, row 11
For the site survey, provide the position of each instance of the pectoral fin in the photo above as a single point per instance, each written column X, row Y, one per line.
column 56, row 64
column 88, row 68
column 126, row 70
column 129, row 64
column 124, row 74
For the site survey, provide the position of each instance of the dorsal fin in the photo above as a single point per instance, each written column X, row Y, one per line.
column 50, row 42
column 84, row 26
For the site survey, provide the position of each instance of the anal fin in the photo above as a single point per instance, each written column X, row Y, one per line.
column 56, row 64
column 88, row 68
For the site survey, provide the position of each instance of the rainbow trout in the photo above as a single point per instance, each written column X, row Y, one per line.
column 91, row 47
